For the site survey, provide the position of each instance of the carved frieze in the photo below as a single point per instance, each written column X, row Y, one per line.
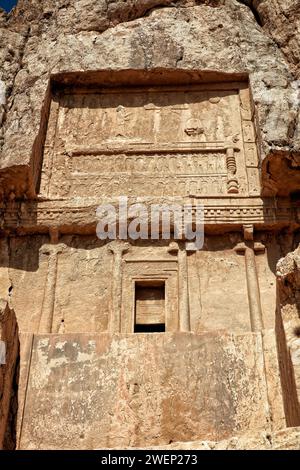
column 197, row 140
column 31, row 217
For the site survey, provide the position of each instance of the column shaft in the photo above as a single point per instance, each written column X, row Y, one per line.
column 184, row 312
column 46, row 319
column 253, row 290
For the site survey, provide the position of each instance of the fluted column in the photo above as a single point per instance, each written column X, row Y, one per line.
column 118, row 250
column 184, row 311
column 249, row 248
column 46, row 318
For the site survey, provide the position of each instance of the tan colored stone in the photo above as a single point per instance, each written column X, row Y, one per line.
column 8, row 377
column 289, row 331
column 145, row 343
column 144, row 139
column 142, row 389
column 288, row 439
column 281, row 18
column 226, row 46
column 216, row 283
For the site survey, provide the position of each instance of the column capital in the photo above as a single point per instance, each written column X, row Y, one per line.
column 257, row 247
column 173, row 248
column 240, row 248
column 51, row 250
column 118, row 247
column 248, row 230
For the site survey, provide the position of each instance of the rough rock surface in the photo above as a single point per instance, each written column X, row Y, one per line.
column 143, row 390
column 281, row 19
column 8, row 377
column 205, row 35
column 288, row 439
column 224, row 358
column 10, row 57
column 288, row 275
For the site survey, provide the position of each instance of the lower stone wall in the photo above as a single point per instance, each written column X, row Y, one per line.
column 288, row 333
column 8, row 377
column 87, row 391
column 287, row 439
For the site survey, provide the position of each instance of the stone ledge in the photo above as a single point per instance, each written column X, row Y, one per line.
column 79, row 216
column 287, row 439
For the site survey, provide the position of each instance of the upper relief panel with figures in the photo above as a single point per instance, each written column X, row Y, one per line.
column 191, row 141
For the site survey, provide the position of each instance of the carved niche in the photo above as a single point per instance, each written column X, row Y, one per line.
column 191, row 141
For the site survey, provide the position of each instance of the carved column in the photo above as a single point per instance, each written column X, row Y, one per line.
column 249, row 248
column 184, row 311
column 232, row 182
column 118, row 250
column 46, row 318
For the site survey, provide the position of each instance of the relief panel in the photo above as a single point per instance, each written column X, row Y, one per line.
column 194, row 141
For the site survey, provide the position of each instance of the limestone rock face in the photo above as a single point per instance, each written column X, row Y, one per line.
column 210, row 35
column 289, row 327
column 86, row 15
column 8, row 376
column 281, row 19
column 150, row 394
column 281, row 440
column 153, row 341
column 288, row 273
column 10, row 57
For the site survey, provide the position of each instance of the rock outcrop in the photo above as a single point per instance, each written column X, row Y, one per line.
column 193, row 102
column 8, row 377
column 280, row 19
column 288, row 325
column 54, row 37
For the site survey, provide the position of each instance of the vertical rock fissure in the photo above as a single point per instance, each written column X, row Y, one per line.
column 250, row 5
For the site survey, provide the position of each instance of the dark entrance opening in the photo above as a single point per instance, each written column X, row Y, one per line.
column 149, row 307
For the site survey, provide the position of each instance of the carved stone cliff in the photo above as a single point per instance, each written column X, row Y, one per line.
column 134, row 343
column 47, row 38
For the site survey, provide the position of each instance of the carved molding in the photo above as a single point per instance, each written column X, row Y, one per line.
column 61, row 215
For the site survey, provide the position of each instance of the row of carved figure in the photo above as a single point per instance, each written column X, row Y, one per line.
column 167, row 187
column 183, row 164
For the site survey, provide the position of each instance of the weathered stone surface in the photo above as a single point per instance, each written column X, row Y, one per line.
column 289, row 331
column 10, row 57
column 86, row 15
column 223, row 37
column 281, row 19
column 288, row 439
column 188, row 102
column 141, row 390
column 159, row 127
column 217, row 282
column 8, row 377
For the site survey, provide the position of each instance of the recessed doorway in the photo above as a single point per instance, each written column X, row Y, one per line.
column 149, row 307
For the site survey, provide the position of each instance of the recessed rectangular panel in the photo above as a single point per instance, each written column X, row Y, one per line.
column 149, row 304
column 118, row 391
column 188, row 141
